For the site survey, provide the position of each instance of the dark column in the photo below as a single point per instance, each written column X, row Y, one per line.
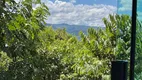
column 119, row 70
column 133, row 38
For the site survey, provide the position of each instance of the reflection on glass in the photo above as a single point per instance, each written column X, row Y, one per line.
column 139, row 10
column 125, row 7
column 124, row 30
column 138, row 58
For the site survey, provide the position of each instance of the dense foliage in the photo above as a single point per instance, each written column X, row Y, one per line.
column 31, row 51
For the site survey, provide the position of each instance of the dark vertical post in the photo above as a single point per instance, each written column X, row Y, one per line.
column 119, row 70
column 133, row 38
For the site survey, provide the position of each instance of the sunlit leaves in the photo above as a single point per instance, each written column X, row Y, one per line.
column 35, row 52
column 4, row 61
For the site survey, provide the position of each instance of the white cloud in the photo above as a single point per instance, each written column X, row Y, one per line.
column 67, row 12
column 126, row 5
column 73, row 1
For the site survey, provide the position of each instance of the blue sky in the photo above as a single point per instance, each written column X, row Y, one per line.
column 125, row 7
column 92, row 2
column 85, row 12
column 80, row 12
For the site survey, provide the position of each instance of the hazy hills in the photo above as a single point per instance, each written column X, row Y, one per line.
column 73, row 29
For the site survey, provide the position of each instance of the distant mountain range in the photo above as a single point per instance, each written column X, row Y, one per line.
column 73, row 29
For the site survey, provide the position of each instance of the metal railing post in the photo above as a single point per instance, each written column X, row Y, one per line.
column 119, row 70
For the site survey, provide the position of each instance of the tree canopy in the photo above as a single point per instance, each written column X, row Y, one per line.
column 30, row 50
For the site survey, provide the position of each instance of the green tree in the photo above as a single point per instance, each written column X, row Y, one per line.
column 31, row 51
column 20, row 23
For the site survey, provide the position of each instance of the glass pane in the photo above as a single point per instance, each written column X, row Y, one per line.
column 124, row 7
column 138, row 61
column 139, row 10
column 124, row 30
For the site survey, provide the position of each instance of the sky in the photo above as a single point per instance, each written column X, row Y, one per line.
column 91, row 2
column 85, row 12
column 125, row 7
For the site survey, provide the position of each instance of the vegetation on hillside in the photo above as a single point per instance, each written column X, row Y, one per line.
column 31, row 51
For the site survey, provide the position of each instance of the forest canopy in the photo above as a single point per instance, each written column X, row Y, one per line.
column 30, row 50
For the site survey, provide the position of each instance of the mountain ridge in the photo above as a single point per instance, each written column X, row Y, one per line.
column 73, row 29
